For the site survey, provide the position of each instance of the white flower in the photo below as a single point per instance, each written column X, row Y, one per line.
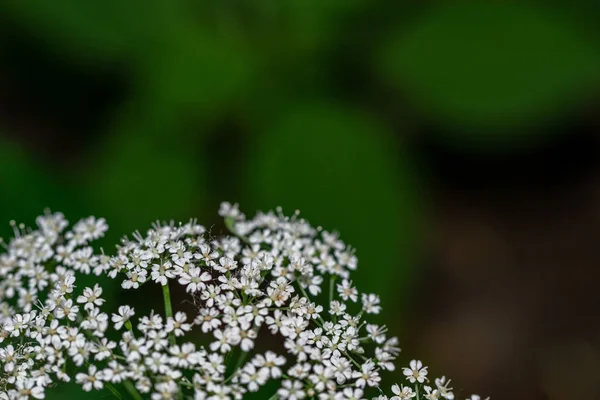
column 162, row 272
column 195, row 279
column 208, row 319
column 402, row 392
column 91, row 297
column 103, row 349
column 431, row 393
column 90, row 380
column 225, row 264
column 28, row 388
column 350, row 394
column 178, row 325
column 371, row 303
column 165, row 390
column 230, row 210
column 9, row 357
column 347, row 291
column 253, row 378
column 368, row 375
column 91, row 228
column 222, row 343
column 83, row 260
column 125, row 312
column 443, row 387
column 291, row 390
column 66, row 309
column 416, row 373
column 135, row 277
column 270, row 363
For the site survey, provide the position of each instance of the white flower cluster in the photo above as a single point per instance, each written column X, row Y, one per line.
column 266, row 278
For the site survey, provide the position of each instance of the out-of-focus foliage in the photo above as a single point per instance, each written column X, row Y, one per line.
column 27, row 189
column 489, row 65
column 148, row 173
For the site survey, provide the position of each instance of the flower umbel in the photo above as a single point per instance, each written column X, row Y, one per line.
column 268, row 277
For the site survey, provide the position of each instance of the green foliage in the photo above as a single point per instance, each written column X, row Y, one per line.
column 27, row 185
column 486, row 66
column 147, row 176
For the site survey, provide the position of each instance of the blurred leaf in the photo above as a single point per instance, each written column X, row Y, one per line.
column 200, row 73
column 491, row 64
column 27, row 188
column 142, row 177
column 314, row 23
column 342, row 171
column 88, row 29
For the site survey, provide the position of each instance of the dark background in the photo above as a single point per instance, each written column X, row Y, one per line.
column 454, row 144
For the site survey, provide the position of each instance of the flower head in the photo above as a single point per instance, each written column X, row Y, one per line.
column 265, row 278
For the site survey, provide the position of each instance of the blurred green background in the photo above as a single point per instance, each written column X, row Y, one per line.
column 373, row 118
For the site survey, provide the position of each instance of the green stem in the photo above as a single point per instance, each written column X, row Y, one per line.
column 417, row 390
column 114, row 391
column 168, row 309
column 274, row 397
column 239, row 363
column 353, row 360
column 331, row 292
column 331, row 287
column 132, row 390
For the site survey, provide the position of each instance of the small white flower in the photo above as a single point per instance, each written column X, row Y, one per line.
column 125, row 312
column 402, row 392
column 291, row 390
column 416, row 373
column 91, row 297
column 90, row 380
column 371, row 303
column 178, row 325
column 444, row 389
column 347, row 291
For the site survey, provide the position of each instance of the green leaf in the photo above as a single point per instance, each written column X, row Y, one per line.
column 89, row 30
column 28, row 188
column 142, row 175
column 491, row 64
column 343, row 171
column 200, row 74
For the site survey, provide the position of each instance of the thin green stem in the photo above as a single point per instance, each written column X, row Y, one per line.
column 114, row 391
column 240, row 361
column 132, row 390
column 331, row 287
column 238, row 364
column 417, row 390
column 353, row 360
column 274, row 397
column 331, row 292
column 168, row 309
